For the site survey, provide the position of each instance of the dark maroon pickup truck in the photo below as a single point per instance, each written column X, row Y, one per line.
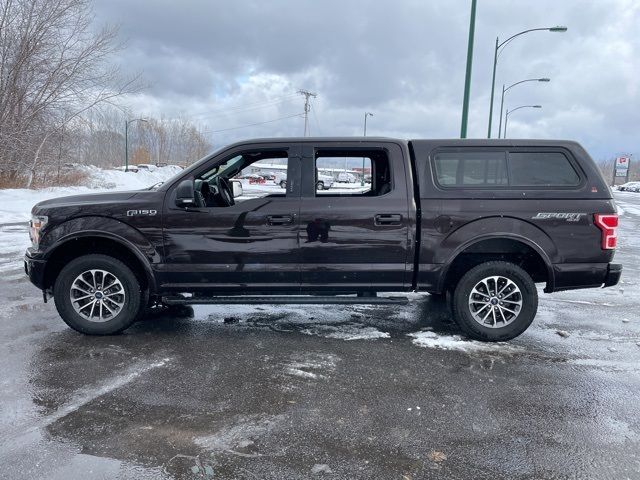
column 479, row 222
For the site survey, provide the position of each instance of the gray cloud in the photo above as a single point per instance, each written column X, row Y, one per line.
column 402, row 60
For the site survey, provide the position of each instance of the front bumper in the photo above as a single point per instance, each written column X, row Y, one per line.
column 34, row 268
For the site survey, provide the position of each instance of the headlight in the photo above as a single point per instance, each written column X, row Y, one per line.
column 36, row 224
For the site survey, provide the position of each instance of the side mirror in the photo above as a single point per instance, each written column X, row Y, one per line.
column 185, row 194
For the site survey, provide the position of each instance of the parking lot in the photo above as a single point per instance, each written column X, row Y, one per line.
column 324, row 391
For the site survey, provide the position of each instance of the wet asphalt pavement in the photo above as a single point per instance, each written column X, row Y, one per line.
column 324, row 391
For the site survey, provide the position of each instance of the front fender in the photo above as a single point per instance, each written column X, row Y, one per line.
column 103, row 227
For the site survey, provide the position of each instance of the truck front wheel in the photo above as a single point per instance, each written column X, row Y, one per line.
column 98, row 295
column 495, row 301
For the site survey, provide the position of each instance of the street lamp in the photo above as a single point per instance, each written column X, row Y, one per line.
column 497, row 52
column 504, row 90
column 126, row 140
column 506, row 118
column 366, row 114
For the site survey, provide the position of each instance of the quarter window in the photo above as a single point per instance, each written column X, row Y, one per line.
column 478, row 169
column 474, row 169
column 541, row 169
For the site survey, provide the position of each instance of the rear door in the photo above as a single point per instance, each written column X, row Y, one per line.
column 355, row 236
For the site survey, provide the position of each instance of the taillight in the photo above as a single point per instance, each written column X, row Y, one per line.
column 607, row 224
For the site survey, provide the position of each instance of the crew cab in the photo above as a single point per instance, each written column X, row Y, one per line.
column 479, row 222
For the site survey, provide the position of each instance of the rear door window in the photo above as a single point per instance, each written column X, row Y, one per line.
column 541, row 169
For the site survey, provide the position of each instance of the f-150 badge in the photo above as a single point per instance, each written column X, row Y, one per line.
column 133, row 213
column 569, row 217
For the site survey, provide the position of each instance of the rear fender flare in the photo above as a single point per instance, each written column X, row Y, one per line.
column 497, row 228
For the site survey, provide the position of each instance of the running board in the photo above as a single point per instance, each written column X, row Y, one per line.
column 282, row 300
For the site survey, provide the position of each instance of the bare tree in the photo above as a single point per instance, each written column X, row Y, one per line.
column 53, row 70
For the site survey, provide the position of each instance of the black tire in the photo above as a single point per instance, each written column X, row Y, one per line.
column 320, row 185
column 283, row 184
column 134, row 298
column 528, row 294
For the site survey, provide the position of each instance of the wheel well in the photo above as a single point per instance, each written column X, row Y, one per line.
column 88, row 245
column 505, row 249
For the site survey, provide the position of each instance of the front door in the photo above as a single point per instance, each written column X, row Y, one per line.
column 250, row 245
column 354, row 235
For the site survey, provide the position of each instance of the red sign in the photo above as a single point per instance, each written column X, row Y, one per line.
column 622, row 162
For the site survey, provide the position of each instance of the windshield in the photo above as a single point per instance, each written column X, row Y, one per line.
column 232, row 165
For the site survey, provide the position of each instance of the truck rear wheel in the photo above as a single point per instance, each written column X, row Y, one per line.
column 495, row 301
column 98, row 295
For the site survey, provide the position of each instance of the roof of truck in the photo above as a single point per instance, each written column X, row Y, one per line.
column 448, row 141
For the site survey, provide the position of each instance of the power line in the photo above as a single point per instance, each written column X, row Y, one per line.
column 225, row 113
column 307, row 107
column 253, row 124
column 239, row 108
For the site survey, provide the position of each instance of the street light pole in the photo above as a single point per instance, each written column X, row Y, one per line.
column 496, row 54
column 126, row 140
column 506, row 119
column 504, row 90
column 467, row 76
column 366, row 114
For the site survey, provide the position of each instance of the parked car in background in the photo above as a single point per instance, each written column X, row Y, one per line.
column 629, row 187
column 130, row 168
column 146, row 167
column 324, row 182
column 281, row 179
column 346, row 177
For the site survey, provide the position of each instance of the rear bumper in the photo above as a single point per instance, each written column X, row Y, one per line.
column 34, row 268
column 613, row 275
column 572, row 276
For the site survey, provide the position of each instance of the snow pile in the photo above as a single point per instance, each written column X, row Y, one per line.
column 16, row 204
column 119, row 180
column 430, row 339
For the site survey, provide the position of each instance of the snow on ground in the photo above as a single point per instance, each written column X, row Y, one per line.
column 430, row 339
column 327, row 321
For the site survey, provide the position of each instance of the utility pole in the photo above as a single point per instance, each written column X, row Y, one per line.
column 467, row 78
column 307, row 107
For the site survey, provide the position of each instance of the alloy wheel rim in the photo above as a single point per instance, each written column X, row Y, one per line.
column 495, row 301
column 97, row 295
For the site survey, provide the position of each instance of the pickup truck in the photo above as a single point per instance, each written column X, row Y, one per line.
column 476, row 222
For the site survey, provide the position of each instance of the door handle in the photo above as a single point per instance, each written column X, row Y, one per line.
column 280, row 219
column 388, row 219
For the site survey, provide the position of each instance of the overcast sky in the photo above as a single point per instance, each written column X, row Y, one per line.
column 231, row 63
